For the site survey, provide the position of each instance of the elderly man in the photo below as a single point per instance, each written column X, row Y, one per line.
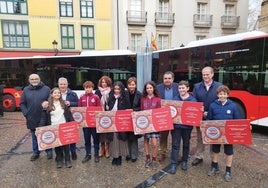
column 71, row 100
column 31, row 106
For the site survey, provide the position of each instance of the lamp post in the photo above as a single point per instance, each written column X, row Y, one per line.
column 55, row 47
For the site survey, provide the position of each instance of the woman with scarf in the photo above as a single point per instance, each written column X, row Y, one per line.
column 104, row 88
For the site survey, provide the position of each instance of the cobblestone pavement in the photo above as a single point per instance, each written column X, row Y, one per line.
column 250, row 166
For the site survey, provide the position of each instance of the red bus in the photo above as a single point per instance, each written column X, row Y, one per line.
column 14, row 72
column 240, row 61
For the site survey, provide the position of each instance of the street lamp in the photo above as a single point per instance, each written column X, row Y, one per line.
column 55, row 47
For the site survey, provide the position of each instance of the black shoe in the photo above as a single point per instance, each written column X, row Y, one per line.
column 133, row 160
column 68, row 164
column 119, row 161
column 97, row 159
column 184, row 165
column 86, row 158
column 114, row 161
column 197, row 161
column 59, row 164
column 49, row 155
column 74, row 155
column 172, row 169
column 34, row 156
column 128, row 158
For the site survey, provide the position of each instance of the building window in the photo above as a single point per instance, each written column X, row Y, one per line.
column 15, row 34
column 67, row 37
column 163, row 42
column 229, row 12
column 87, row 35
column 136, row 42
column 200, row 37
column 86, row 7
column 66, row 8
column 13, row 6
column 202, row 11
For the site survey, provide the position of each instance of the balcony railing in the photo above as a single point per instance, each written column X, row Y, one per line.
column 136, row 17
column 202, row 20
column 230, row 22
column 164, row 19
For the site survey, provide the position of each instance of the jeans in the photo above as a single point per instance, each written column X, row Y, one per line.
column 35, row 143
column 178, row 134
column 88, row 132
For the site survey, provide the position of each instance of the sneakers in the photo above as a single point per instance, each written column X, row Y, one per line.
column 68, row 164
column 148, row 163
column 227, row 176
column 59, row 164
column 86, row 158
column 213, row 171
column 154, row 167
column 34, row 156
column 96, row 159
column 172, row 169
column 184, row 165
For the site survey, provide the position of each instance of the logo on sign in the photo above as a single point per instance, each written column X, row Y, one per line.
column 213, row 132
column 173, row 111
column 105, row 122
column 48, row 137
column 78, row 117
column 142, row 122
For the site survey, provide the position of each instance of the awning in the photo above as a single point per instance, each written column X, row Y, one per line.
column 10, row 54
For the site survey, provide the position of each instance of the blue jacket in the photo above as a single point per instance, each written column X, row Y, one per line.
column 30, row 103
column 228, row 111
column 161, row 88
column 178, row 98
column 72, row 97
column 202, row 95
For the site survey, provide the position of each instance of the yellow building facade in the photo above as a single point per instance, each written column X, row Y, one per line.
column 75, row 25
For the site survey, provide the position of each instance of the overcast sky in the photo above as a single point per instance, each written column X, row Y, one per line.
column 254, row 12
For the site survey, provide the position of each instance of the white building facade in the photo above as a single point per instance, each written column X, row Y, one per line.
column 175, row 22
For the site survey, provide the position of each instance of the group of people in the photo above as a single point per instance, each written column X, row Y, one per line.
column 42, row 106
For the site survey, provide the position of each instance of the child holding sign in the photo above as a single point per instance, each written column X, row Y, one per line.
column 90, row 99
column 222, row 109
column 57, row 112
column 150, row 99
column 118, row 100
column 181, row 132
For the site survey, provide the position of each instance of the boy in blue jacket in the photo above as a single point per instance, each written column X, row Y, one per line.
column 222, row 109
column 181, row 132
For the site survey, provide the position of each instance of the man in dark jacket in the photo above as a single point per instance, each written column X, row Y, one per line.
column 204, row 91
column 168, row 90
column 31, row 106
column 71, row 100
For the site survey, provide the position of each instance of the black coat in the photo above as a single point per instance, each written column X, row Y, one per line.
column 123, row 103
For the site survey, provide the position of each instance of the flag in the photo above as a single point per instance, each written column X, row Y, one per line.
column 147, row 43
column 153, row 42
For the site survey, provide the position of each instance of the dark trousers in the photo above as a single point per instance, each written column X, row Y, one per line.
column 63, row 150
column 178, row 134
column 88, row 132
column 73, row 147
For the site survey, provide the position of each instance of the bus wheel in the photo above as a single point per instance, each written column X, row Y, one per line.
column 240, row 109
column 9, row 103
